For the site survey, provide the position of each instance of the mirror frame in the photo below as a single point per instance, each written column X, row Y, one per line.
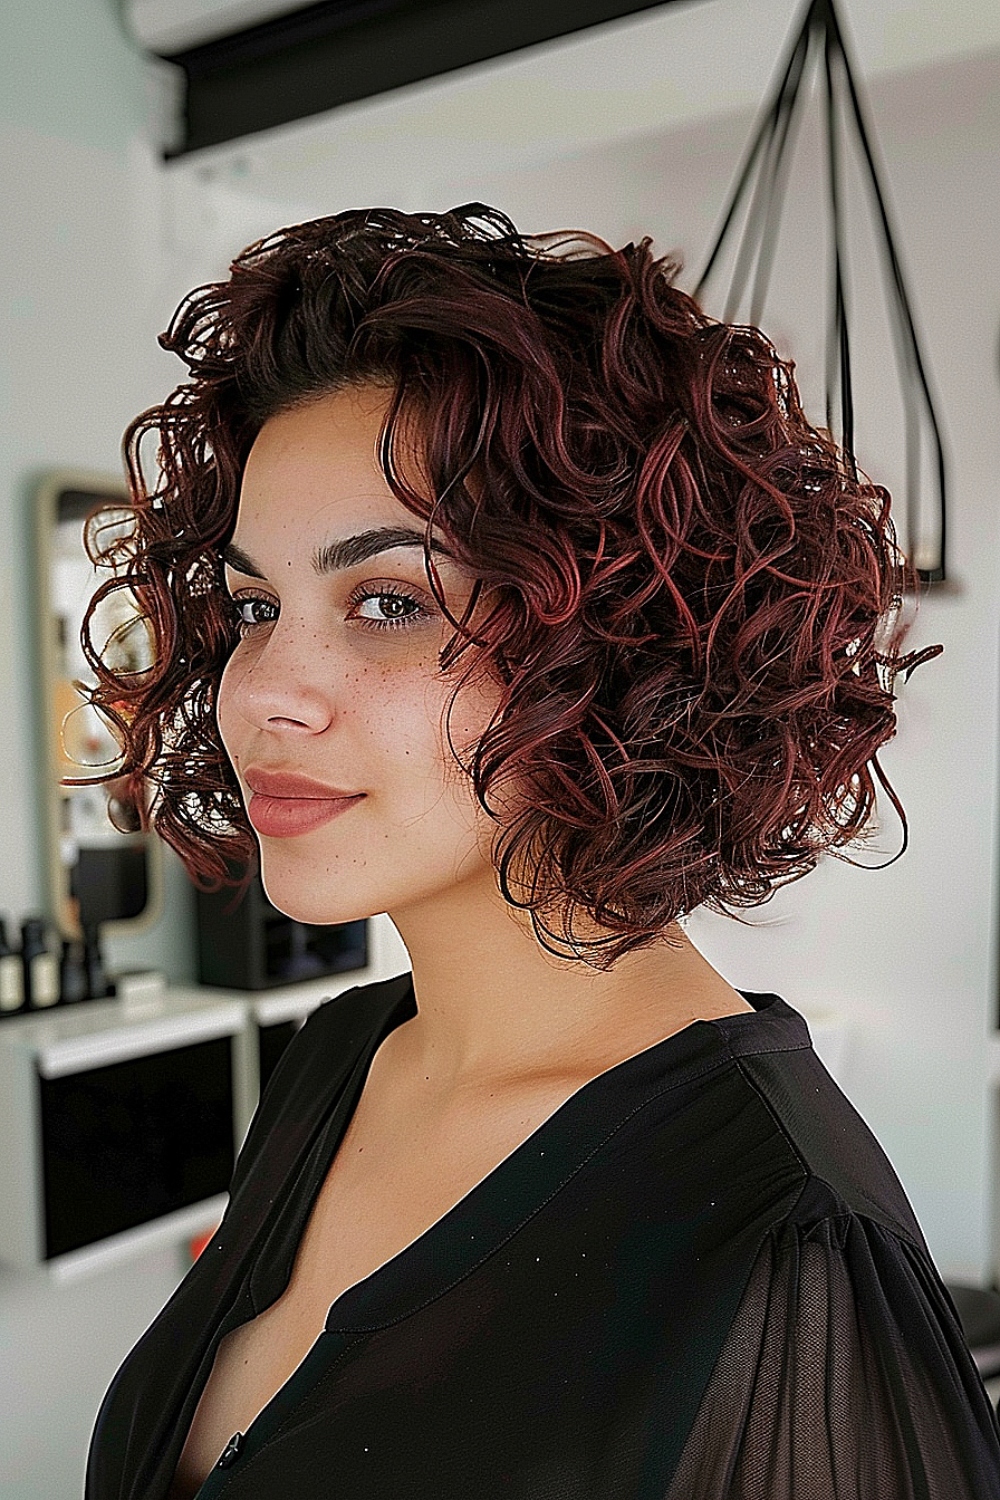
column 51, row 485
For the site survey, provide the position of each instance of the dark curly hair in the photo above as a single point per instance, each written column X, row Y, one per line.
column 693, row 582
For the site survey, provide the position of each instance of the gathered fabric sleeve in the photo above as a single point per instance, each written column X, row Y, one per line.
column 845, row 1376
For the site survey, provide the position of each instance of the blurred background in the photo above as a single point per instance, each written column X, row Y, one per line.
column 142, row 145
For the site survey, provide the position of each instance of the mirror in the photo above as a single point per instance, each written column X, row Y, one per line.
column 98, row 876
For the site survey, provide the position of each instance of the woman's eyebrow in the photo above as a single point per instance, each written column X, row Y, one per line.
column 238, row 559
column 345, row 553
column 351, row 550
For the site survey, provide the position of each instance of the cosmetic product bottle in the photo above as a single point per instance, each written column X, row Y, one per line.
column 40, row 965
column 97, row 979
column 72, row 972
column 11, row 975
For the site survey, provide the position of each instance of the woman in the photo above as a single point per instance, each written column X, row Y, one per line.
column 494, row 586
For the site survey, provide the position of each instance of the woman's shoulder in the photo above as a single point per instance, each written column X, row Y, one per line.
column 355, row 1011
column 745, row 1103
column 842, row 1158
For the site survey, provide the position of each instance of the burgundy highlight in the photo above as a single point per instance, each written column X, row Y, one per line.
column 696, row 598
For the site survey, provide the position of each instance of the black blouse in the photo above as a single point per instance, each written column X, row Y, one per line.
column 699, row 1279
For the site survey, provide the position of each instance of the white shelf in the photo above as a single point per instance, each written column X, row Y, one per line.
column 86, row 1035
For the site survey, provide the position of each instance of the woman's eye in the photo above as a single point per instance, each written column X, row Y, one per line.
column 398, row 610
column 244, row 606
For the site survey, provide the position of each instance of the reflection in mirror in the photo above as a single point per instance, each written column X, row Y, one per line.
column 101, row 879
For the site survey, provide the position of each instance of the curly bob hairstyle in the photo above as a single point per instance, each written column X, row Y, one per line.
column 692, row 584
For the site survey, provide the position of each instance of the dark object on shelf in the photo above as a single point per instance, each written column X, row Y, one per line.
column 765, row 169
column 979, row 1313
column 72, row 972
column 110, row 883
column 82, row 975
column 93, row 962
column 11, row 976
column 40, row 966
column 253, row 946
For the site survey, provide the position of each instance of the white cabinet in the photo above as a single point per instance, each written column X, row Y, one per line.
column 121, row 1119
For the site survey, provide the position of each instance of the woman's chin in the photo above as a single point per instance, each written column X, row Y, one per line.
column 306, row 906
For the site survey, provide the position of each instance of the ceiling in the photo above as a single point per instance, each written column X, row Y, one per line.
column 313, row 58
column 637, row 76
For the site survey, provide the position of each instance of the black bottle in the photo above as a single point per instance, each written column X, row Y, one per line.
column 11, row 975
column 72, row 972
column 40, row 965
column 93, row 961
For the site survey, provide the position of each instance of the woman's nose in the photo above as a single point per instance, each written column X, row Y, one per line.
column 287, row 679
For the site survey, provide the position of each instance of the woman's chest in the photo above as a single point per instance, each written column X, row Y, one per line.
column 385, row 1187
column 346, row 1238
column 349, row 1234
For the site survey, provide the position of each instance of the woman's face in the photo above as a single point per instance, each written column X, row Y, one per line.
column 336, row 678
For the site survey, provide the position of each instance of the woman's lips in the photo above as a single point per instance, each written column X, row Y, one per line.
column 285, row 803
column 290, row 784
column 283, row 817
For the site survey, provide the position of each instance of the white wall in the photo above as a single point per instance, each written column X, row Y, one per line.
column 78, row 358
column 81, row 308
column 99, row 244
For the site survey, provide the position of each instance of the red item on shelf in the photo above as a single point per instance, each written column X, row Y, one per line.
column 198, row 1242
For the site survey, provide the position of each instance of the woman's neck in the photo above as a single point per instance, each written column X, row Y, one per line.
column 493, row 1004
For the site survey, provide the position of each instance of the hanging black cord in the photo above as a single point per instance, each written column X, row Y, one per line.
column 769, row 154
column 764, row 212
column 743, row 175
column 908, row 353
column 838, row 340
column 776, row 196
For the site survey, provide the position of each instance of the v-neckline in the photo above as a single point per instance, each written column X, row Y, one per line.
column 504, row 1199
column 514, row 1188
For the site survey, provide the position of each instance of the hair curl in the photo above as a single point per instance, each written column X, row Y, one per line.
column 694, row 583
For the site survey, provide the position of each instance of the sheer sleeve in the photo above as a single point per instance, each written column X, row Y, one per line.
column 845, row 1376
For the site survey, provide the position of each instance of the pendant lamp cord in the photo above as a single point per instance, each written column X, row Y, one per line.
column 762, row 178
